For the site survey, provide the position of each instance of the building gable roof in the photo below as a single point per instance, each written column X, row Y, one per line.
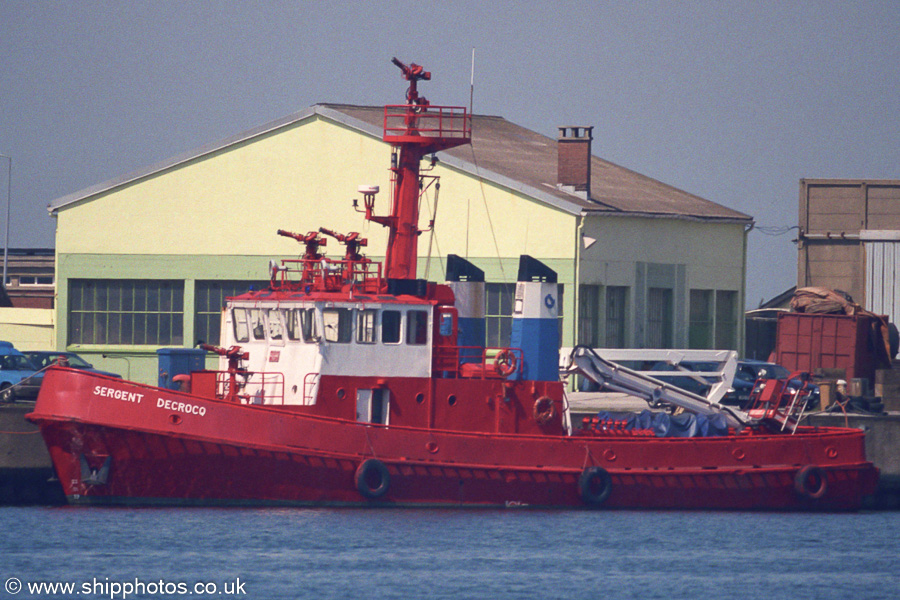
column 501, row 152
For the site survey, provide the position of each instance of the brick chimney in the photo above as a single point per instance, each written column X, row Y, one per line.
column 573, row 169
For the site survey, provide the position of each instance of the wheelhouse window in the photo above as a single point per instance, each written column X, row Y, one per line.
column 241, row 325
column 292, row 324
column 308, row 325
column 417, row 327
column 390, row 327
column 126, row 312
column 257, row 326
column 338, row 325
column 276, row 327
column 365, row 326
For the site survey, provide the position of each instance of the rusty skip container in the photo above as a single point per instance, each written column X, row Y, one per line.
column 807, row 341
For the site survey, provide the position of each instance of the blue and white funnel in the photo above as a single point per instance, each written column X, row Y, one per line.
column 535, row 325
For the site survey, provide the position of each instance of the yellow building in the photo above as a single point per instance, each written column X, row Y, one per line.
column 144, row 261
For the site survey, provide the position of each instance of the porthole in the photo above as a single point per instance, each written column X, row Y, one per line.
column 451, row 399
column 341, row 392
column 420, row 398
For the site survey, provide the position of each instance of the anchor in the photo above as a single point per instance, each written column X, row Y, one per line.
column 94, row 476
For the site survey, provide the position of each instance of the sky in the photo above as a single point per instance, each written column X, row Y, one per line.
column 732, row 101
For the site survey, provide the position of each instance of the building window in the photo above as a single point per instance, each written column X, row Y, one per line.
column 700, row 330
column 126, row 312
column 27, row 280
column 209, row 300
column 616, row 316
column 589, row 315
column 659, row 318
column 498, row 310
column 726, row 320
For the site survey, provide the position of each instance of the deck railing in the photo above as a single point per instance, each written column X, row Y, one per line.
column 325, row 274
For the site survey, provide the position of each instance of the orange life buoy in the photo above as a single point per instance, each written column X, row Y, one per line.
column 505, row 363
column 544, row 410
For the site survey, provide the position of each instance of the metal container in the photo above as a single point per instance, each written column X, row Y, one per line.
column 806, row 342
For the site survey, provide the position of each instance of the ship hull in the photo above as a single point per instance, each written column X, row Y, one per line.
column 119, row 443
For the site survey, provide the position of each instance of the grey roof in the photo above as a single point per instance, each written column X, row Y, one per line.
column 501, row 152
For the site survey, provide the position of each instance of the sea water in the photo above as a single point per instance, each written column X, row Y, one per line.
column 411, row 554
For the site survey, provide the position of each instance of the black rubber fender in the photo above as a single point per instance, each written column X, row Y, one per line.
column 372, row 478
column 810, row 481
column 594, row 485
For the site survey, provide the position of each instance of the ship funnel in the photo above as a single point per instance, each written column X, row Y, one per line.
column 535, row 325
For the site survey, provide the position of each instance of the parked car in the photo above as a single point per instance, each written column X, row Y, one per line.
column 18, row 377
column 45, row 358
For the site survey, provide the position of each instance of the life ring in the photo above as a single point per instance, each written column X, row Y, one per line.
column 810, row 481
column 372, row 478
column 594, row 485
column 506, row 362
column 544, row 410
column 549, row 302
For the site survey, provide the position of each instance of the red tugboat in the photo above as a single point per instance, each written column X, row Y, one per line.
column 345, row 385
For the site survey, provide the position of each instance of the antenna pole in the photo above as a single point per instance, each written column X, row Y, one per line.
column 472, row 83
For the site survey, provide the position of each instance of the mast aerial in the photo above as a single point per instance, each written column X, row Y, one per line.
column 414, row 130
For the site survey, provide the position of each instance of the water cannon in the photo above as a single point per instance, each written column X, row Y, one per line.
column 231, row 353
column 413, row 73
column 351, row 240
column 311, row 240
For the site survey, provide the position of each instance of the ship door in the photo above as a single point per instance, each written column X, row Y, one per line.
column 446, row 352
column 373, row 406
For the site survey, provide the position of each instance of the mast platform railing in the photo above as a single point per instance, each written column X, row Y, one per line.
column 412, row 123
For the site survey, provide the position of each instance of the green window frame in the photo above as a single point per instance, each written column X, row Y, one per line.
column 209, row 300
column 700, row 328
column 499, row 299
column 126, row 312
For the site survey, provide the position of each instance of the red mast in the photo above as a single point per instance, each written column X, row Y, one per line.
column 414, row 129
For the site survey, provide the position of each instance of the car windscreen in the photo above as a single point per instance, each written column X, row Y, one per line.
column 16, row 362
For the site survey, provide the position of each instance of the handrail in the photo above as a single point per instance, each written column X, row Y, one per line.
column 482, row 361
column 310, row 380
column 327, row 274
column 414, row 122
column 268, row 389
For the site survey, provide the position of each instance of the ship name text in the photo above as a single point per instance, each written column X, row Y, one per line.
column 108, row 392
column 182, row 407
